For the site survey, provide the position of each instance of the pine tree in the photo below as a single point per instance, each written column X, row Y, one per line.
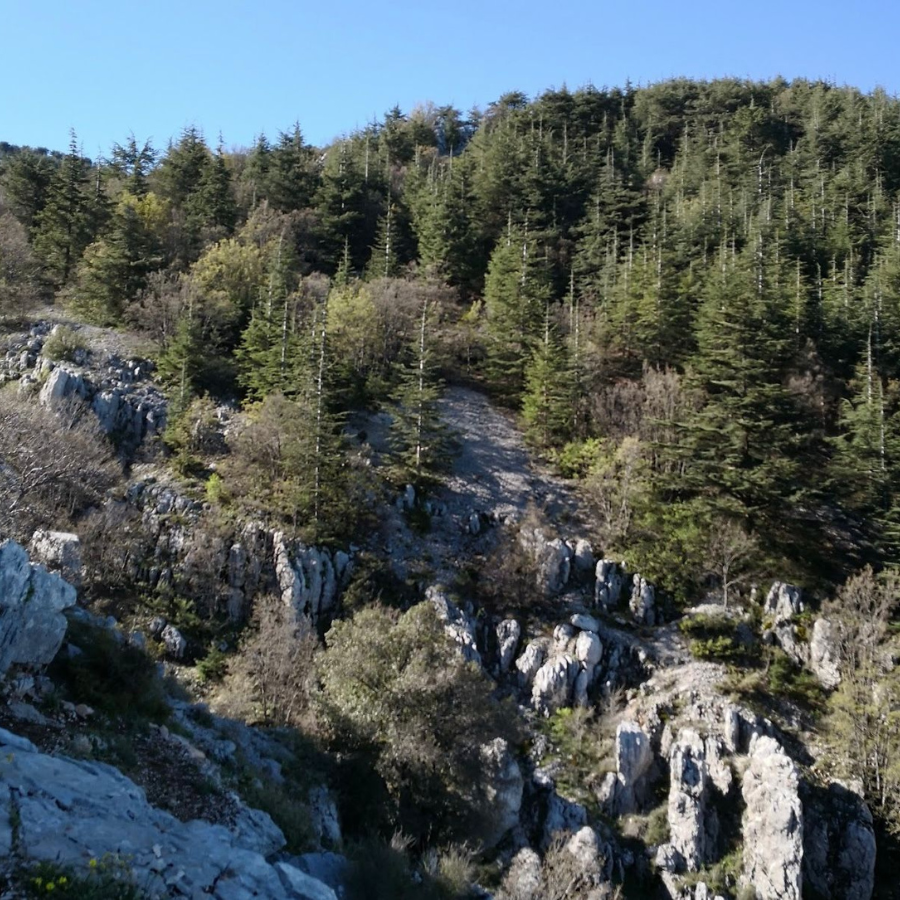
column 384, row 262
column 64, row 227
column 180, row 364
column 549, row 401
column 419, row 439
column 515, row 294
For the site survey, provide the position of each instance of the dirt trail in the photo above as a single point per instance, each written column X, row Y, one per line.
column 494, row 472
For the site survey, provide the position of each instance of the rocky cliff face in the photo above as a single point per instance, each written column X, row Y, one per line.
column 32, row 600
column 128, row 405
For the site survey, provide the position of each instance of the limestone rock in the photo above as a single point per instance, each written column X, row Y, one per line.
column 634, row 757
column 643, row 601
column 530, row 662
column 508, row 633
column 838, row 843
column 32, row 600
column 523, row 880
column 588, row 649
column 562, row 815
column 505, row 784
column 585, row 623
column 174, row 641
column 783, row 602
column 608, row 584
column 72, row 811
column 687, row 800
column 59, row 551
column 772, row 823
column 553, row 683
column 323, row 815
column 456, row 623
column 583, row 558
column 553, row 558
column 823, row 654
column 580, row 688
column 585, row 847
column 306, row 576
column 563, row 636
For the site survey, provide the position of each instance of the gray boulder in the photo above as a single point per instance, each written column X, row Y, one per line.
column 523, row 880
column 588, row 649
column 553, row 558
column 71, row 811
column 623, row 791
column 59, row 551
column 553, row 683
column 508, row 633
column 174, row 641
column 687, row 800
column 783, row 602
column 772, row 823
column 583, row 558
column 32, row 600
column 643, row 601
column 530, row 662
column 457, row 624
column 306, row 576
column 585, row 623
column 505, row 784
column 608, row 584
column 823, row 654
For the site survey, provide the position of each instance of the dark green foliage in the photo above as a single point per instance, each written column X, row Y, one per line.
column 397, row 692
column 110, row 675
column 64, row 225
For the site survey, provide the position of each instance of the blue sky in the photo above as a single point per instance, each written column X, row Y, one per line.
column 238, row 68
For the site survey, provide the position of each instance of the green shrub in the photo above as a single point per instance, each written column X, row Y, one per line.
column 787, row 679
column 657, row 831
column 288, row 811
column 714, row 637
column 213, row 666
column 110, row 675
column 62, row 344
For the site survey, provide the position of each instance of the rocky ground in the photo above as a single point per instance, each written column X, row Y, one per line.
column 641, row 765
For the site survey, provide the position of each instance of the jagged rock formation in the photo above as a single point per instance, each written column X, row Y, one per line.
column 508, row 634
column 823, row 654
column 504, row 791
column 71, row 811
column 457, row 623
column 838, row 842
column 308, row 577
column 689, row 779
column 32, row 600
column 59, row 551
column 773, row 823
column 783, row 602
column 128, row 406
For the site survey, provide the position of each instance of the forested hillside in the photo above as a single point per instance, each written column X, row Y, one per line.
column 468, row 448
column 696, row 284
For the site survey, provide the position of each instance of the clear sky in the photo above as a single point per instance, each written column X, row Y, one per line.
column 238, row 68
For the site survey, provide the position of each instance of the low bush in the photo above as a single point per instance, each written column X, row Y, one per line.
column 108, row 878
column 63, row 344
column 110, row 675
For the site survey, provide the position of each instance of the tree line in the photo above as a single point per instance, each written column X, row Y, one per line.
column 691, row 291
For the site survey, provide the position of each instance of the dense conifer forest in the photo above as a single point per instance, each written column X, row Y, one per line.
column 690, row 290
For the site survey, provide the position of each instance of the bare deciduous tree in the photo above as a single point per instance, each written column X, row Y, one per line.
column 730, row 548
column 276, row 662
column 54, row 464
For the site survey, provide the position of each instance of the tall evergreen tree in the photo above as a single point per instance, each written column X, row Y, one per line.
column 64, row 226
